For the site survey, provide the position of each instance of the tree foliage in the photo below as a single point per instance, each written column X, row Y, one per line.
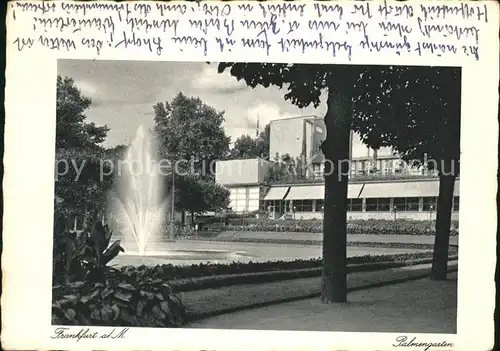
column 416, row 110
column 192, row 132
column 286, row 169
column 72, row 130
column 197, row 195
column 189, row 129
column 79, row 154
column 304, row 83
column 246, row 147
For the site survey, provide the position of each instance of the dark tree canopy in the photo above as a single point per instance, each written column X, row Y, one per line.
column 304, row 82
column 416, row 110
column 72, row 130
column 404, row 107
column 247, row 147
column 197, row 195
column 78, row 145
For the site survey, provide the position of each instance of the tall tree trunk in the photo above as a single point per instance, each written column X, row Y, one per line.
column 443, row 224
column 336, row 149
column 183, row 218
column 192, row 218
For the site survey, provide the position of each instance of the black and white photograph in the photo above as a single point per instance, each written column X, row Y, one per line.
column 257, row 196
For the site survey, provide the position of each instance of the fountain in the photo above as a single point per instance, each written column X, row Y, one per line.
column 138, row 200
column 139, row 209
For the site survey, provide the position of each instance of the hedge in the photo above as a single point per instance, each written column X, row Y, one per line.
column 219, row 281
column 119, row 300
column 173, row 272
column 369, row 226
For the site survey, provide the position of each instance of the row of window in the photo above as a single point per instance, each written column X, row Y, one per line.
column 368, row 167
column 399, row 204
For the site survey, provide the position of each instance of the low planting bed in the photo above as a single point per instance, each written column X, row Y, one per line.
column 372, row 226
column 169, row 272
column 389, row 245
column 220, row 281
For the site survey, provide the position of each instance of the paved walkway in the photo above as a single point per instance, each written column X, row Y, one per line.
column 419, row 306
column 413, row 239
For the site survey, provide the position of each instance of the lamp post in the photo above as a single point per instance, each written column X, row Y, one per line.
column 294, row 209
column 172, row 207
column 394, row 210
column 431, row 208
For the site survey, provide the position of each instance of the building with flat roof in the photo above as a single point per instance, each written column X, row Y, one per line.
column 297, row 137
column 381, row 185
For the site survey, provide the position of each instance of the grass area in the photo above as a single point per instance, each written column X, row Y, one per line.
column 211, row 302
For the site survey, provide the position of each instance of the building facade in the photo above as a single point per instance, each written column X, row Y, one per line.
column 297, row 137
column 245, row 180
column 382, row 199
column 381, row 185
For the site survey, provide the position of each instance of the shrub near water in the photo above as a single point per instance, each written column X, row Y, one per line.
column 88, row 292
column 369, row 226
column 119, row 300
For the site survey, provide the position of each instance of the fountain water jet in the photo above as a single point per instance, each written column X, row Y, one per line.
column 138, row 201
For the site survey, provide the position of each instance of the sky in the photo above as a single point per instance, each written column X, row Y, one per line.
column 123, row 94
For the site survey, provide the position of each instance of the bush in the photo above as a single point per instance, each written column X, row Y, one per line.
column 119, row 300
column 369, row 226
column 81, row 256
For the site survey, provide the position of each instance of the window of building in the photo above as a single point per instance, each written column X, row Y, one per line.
column 429, row 204
column 378, row 205
column 302, row 205
column 354, row 204
column 278, row 206
column 406, row 204
column 456, row 203
column 388, row 167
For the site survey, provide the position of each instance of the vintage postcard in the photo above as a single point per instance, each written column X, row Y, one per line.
column 264, row 175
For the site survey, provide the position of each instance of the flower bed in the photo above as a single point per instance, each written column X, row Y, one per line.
column 119, row 300
column 219, row 281
column 170, row 272
column 369, row 226
column 387, row 245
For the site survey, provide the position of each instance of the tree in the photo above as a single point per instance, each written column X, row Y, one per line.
column 286, row 169
column 71, row 129
column 263, row 142
column 80, row 182
column 244, row 147
column 247, row 147
column 191, row 131
column 416, row 110
column 196, row 195
column 304, row 84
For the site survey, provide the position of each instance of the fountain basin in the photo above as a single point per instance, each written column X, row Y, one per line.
column 180, row 257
